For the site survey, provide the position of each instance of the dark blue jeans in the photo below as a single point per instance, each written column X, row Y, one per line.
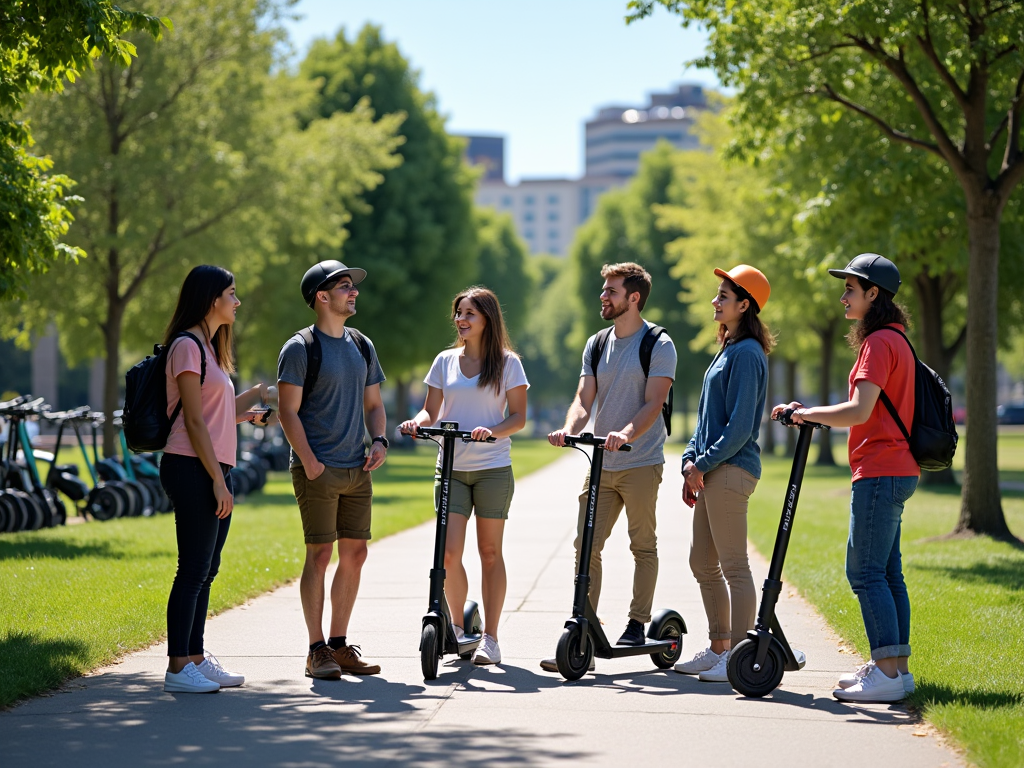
column 201, row 536
column 874, row 565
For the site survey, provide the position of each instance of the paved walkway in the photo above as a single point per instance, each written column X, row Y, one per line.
column 628, row 713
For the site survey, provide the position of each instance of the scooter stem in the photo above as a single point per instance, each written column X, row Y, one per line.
column 579, row 603
column 437, row 573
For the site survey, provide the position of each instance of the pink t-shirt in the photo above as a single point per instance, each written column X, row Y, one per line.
column 218, row 401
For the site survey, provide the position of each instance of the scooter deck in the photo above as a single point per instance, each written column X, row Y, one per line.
column 619, row 651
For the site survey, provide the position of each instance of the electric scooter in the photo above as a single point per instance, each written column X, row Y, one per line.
column 583, row 639
column 756, row 665
column 438, row 635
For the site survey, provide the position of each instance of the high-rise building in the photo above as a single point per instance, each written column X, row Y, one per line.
column 617, row 136
column 547, row 212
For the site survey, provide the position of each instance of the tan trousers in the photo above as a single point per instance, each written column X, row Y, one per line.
column 718, row 554
column 637, row 490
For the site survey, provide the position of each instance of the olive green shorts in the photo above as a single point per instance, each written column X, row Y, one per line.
column 336, row 505
column 488, row 491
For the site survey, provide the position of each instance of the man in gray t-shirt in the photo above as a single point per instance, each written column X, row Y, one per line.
column 329, row 391
column 628, row 411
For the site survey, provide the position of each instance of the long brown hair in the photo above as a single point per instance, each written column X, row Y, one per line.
column 751, row 325
column 883, row 311
column 203, row 285
column 495, row 343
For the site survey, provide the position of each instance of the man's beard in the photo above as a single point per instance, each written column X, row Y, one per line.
column 614, row 311
column 342, row 309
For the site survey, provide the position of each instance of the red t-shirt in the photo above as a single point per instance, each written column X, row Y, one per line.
column 877, row 447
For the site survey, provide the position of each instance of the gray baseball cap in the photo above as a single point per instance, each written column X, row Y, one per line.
column 873, row 268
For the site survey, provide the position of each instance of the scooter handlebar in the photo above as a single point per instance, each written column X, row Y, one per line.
column 786, row 418
column 588, row 439
column 425, row 433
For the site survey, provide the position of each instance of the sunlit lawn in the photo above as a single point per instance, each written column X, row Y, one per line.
column 77, row 597
column 967, row 598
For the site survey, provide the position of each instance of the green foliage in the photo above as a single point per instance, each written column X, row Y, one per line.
column 42, row 45
column 501, row 265
column 415, row 237
column 626, row 227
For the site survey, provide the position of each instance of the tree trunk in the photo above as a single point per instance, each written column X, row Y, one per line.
column 790, row 397
column 767, row 436
column 111, row 372
column 933, row 295
column 827, row 335
column 981, row 509
column 402, row 408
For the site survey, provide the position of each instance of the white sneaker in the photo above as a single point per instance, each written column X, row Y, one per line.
column 550, row 665
column 701, row 662
column 189, row 680
column 875, row 686
column 908, row 682
column 718, row 673
column 487, row 652
column 211, row 669
column 460, row 633
column 852, row 678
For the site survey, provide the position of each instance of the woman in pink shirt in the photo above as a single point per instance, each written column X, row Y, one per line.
column 194, row 469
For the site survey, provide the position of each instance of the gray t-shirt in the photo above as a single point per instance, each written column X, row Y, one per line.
column 333, row 414
column 621, row 385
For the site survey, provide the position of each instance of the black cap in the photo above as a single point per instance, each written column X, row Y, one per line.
column 873, row 268
column 319, row 275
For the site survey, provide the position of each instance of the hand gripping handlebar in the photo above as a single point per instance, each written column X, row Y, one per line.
column 587, row 438
column 786, row 418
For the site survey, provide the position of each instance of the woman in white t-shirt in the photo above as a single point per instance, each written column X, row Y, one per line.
column 473, row 383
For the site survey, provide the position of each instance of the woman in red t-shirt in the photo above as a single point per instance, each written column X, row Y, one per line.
column 885, row 473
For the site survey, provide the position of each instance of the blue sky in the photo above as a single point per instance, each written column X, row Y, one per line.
column 532, row 70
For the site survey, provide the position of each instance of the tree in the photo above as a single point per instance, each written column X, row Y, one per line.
column 941, row 77
column 501, row 265
column 176, row 154
column 43, row 44
column 416, row 235
column 626, row 227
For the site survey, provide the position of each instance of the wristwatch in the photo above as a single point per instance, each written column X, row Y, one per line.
column 382, row 440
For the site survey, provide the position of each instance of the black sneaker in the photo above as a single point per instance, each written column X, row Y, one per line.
column 634, row 634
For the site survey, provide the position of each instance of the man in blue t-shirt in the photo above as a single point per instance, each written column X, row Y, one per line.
column 325, row 412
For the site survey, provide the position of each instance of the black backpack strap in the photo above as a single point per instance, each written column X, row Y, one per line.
column 884, row 397
column 647, row 347
column 314, row 356
column 364, row 346
column 202, row 366
column 600, row 340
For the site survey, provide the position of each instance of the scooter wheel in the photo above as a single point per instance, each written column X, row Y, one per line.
column 429, row 652
column 670, row 630
column 571, row 664
column 748, row 681
column 471, row 624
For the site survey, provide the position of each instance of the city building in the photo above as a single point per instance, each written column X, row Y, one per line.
column 547, row 212
column 617, row 136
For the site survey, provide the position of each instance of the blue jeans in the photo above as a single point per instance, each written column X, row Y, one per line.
column 874, row 565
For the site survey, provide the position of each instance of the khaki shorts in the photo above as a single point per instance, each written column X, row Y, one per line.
column 334, row 506
column 488, row 491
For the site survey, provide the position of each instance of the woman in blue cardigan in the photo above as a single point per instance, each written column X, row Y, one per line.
column 722, row 464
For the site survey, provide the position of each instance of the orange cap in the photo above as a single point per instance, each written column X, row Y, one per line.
column 751, row 280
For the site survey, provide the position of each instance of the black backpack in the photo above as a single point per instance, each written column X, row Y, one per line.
column 932, row 437
column 146, row 423
column 315, row 356
column 646, row 350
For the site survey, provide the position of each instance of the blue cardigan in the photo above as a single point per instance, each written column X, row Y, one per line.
column 729, row 414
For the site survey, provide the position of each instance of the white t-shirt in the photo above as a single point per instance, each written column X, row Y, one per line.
column 473, row 406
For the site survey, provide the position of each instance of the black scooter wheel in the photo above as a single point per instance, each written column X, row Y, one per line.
column 429, row 652
column 748, row 681
column 105, row 503
column 671, row 630
column 571, row 664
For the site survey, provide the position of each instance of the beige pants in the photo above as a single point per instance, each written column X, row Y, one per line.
column 637, row 490
column 718, row 554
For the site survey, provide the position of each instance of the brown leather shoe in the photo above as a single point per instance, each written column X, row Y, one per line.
column 321, row 664
column 347, row 659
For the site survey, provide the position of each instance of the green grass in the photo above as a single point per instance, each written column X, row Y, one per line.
column 76, row 598
column 967, row 599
